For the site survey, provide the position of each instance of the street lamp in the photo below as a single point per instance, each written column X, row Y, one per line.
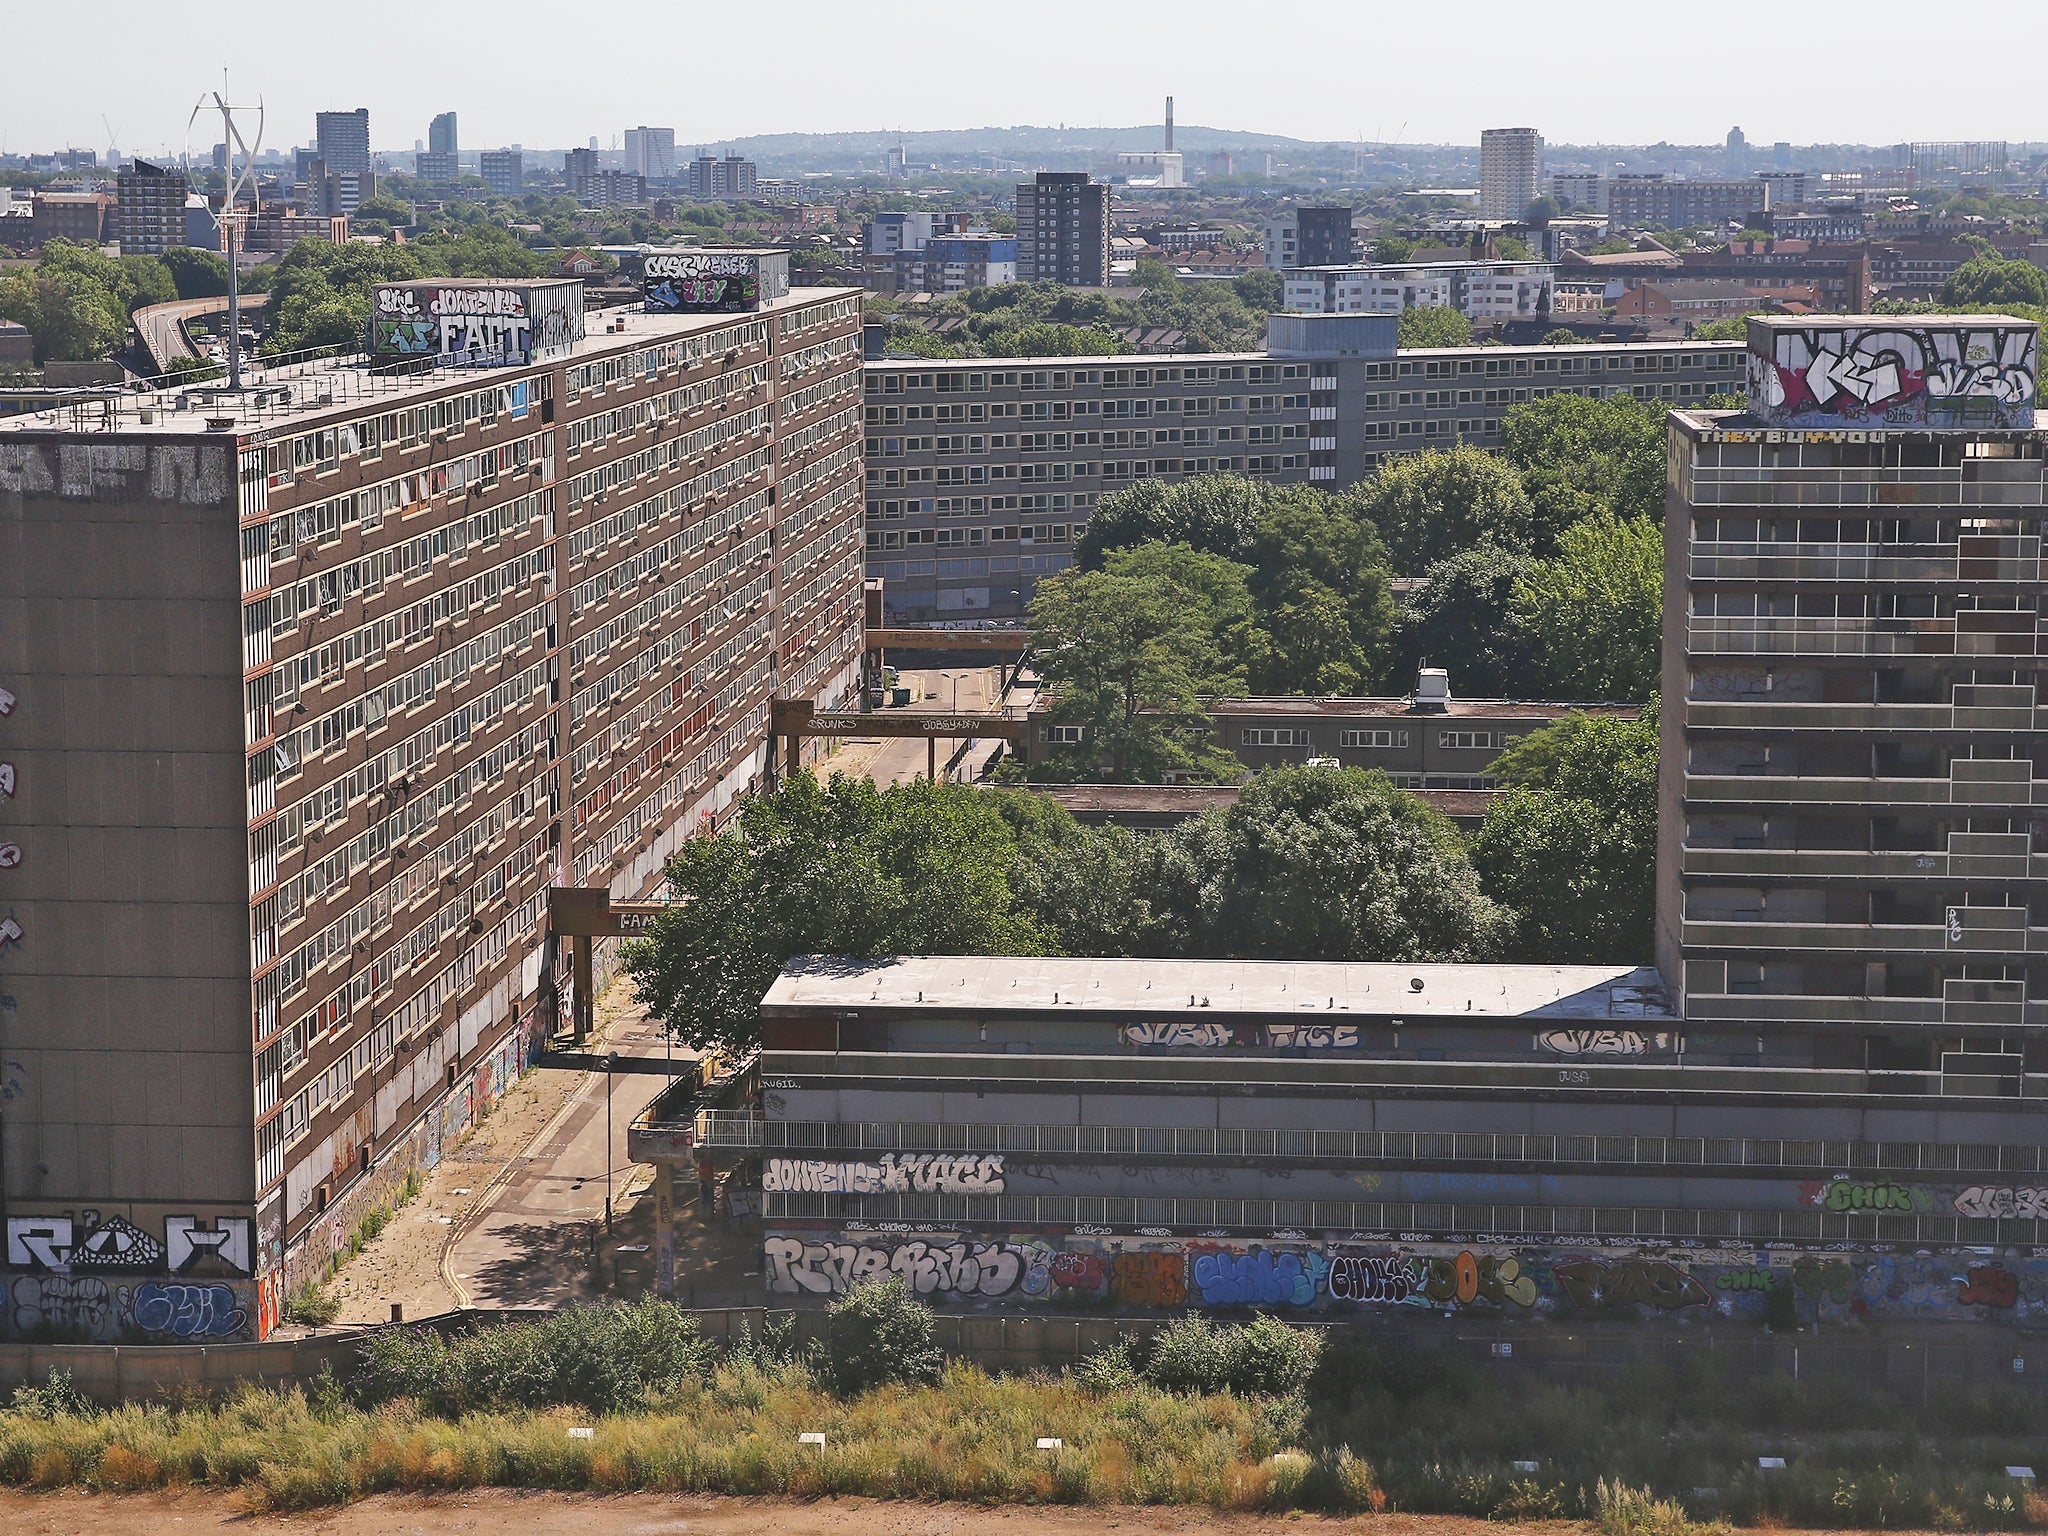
column 611, row 1060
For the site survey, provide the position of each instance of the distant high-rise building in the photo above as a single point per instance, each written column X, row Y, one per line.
column 441, row 134
column 651, row 152
column 578, row 166
column 1063, row 229
column 1510, row 171
column 148, row 216
column 342, row 140
column 1738, row 153
column 504, row 171
column 330, row 192
column 1781, row 156
column 1309, row 237
column 734, row 176
column 436, row 165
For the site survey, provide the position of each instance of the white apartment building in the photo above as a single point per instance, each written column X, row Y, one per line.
column 1482, row 291
column 651, row 152
column 1510, row 171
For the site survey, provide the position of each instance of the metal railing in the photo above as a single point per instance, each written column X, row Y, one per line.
column 1375, row 1220
column 742, row 1132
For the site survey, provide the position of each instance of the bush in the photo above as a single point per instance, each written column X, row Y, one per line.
column 878, row 1334
column 605, row 1359
column 1262, row 1358
column 1625, row 1511
column 312, row 1305
column 58, row 1396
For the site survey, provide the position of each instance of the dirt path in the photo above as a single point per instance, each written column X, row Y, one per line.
column 495, row 1513
column 403, row 1263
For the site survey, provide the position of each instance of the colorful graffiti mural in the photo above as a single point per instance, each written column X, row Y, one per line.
column 918, row 1172
column 1335, row 1276
column 90, row 1309
column 1921, row 374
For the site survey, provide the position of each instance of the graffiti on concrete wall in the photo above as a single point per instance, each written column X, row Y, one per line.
column 88, row 1243
column 1917, row 375
column 1141, row 1273
column 1206, row 1034
column 1603, row 1042
column 90, row 1309
column 897, row 1172
column 1991, row 1202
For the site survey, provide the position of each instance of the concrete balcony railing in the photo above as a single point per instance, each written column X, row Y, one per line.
column 1792, row 789
column 1974, row 930
column 1976, row 858
column 1744, row 715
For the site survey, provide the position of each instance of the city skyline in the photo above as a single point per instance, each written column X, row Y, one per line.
column 1249, row 85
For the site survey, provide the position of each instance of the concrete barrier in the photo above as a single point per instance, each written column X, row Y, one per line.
column 1911, row 1362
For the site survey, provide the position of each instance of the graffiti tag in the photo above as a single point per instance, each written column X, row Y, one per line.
column 188, row 1311
column 897, row 1172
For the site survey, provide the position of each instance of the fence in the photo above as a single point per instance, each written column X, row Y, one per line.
column 1915, row 1362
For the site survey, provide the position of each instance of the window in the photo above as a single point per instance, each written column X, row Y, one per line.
column 1373, row 739
column 1275, row 736
column 1491, row 741
column 1063, row 733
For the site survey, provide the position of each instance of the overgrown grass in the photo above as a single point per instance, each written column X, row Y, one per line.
column 314, row 1302
column 1374, row 1427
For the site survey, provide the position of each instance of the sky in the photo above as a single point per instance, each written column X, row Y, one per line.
column 547, row 75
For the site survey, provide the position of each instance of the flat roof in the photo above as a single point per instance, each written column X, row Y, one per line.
column 290, row 396
column 950, row 984
column 1453, row 708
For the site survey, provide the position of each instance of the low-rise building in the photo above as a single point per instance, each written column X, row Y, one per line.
column 1482, row 291
column 80, row 217
column 953, row 263
column 1430, row 739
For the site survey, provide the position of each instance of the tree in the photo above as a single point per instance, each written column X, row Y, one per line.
column 1259, row 290
column 1732, row 328
column 839, row 869
column 1042, row 340
column 196, row 274
column 1577, row 455
column 1432, row 326
column 1325, row 864
column 1218, row 513
column 1570, row 852
column 1126, row 654
column 1388, row 250
column 1324, row 599
column 1565, row 336
column 1986, row 282
column 1594, row 613
column 1435, row 503
column 1463, row 619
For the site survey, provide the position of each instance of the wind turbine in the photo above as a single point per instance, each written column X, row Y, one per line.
column 113, row 142
column 230, row 211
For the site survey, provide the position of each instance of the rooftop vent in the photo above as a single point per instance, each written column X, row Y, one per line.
column 1433, row 689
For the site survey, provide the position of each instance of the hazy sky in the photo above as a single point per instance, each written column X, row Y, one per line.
column 554, row 74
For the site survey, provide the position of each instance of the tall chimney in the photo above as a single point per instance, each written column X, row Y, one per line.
column 1169, row 125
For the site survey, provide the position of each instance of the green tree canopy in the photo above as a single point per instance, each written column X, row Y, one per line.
column 1432, row 327
column 1570, row 852
column 1325, row 864
column 1463, row 620
column 1040, row 339
column 1218, row 513
column 1432, row 504
column 76, row 300
column 1987, row 282
column 839, row 869
column 1577, row 455
column 196, row 274
column 1594, row 612
column 1127, row 654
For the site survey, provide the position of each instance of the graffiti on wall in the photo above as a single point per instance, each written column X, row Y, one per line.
column 87, row 1307
column 480, row 324
column 1918, row 375
column 1992, row 1202
column 1205, row 1034
column 1603, row 1042
column 700, row 282
column 88, row 1243
column 1308, row 1275
column 897, row 1172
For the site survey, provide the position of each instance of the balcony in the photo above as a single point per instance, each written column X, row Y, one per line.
column 1969, row 855
column 1791, row 789
column 1761, row 714
column 1969, row 930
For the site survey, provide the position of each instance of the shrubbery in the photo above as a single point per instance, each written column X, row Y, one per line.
column 878, row 1334
column 606, row 1359
column 1262, row 1358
